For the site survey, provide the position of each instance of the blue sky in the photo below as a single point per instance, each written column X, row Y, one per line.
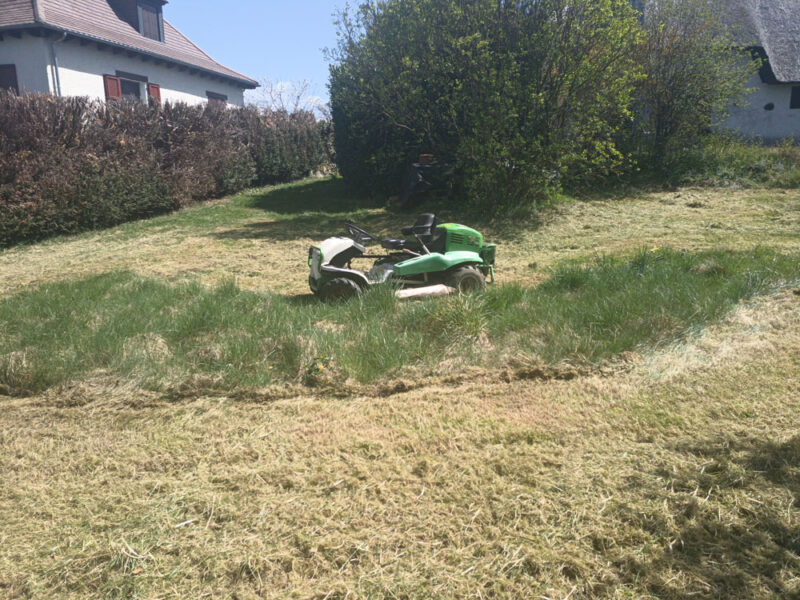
column 277, row 40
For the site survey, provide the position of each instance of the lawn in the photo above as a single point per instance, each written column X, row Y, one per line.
column 616, row 418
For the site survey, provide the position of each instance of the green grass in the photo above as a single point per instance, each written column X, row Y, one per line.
column 164, row 336
column 153, row 465
column 725, row 160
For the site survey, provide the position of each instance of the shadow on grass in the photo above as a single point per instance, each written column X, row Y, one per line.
column 748, row 553
column 316, row 226
column 331, row 195
column 302, row 300
column 314, row 209
column 319, row 209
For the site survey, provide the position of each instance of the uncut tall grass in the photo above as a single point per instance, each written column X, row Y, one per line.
column 160, row 335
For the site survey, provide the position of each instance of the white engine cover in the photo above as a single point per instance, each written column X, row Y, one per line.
column 326, row 251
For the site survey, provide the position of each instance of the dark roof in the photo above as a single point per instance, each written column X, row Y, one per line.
column 15, row 12
column 773, row 25
column 100, row 21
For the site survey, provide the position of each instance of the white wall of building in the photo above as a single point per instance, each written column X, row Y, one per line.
column 752, row 118
column 81, row 70
column 31, row 56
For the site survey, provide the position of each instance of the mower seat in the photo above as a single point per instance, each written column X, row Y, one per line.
column 426, row 221
column 427, row 230
column 391, row 244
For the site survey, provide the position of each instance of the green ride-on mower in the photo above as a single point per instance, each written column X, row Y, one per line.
column 437, row 255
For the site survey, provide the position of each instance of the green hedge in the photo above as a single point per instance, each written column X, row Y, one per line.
column 71, row 164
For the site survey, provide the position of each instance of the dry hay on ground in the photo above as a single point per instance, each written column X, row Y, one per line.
column 674, row 478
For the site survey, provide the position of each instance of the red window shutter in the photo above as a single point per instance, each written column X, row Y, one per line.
column 154, row 92
column 113, row 87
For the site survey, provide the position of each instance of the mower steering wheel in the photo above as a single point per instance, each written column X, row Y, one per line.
column 358, row 234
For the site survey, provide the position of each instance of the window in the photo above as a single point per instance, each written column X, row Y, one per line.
column 151, row 21
column 131, row 89
column 215, row 99
column 8, row 78
column 794, row 102
column 129, row 85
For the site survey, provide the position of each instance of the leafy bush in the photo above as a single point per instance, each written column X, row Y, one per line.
column 68, row 165
column 289, row 146
column 513, row 96
column 71, row 164
column 692, row 76
column 521, row 99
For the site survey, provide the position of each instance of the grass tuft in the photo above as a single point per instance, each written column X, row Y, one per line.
column 161, row 336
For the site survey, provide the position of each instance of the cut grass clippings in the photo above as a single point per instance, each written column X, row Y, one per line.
column 165, row 336
column 621, row 487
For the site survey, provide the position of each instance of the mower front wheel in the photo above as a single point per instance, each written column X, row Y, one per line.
column 466, row 279
column 338, row 290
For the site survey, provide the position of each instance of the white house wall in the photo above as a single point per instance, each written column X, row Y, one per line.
column 31, row 56
column 81, row 70
column 752, row 119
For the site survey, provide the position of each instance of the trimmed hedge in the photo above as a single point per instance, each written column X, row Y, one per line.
column 72, row 164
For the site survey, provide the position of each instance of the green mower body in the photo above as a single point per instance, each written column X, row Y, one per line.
column 436, row 263
column 449, row 253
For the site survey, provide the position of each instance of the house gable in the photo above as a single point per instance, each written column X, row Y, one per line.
column 771, row 30
column 83, row 69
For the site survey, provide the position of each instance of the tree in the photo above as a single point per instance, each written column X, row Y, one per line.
column 288, row 96
column 515, row 96
column 693, row 72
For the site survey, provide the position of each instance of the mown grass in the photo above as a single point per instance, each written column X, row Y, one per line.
column 622, row 486
column 261, row 237
column 163, row 336
column 676, row 477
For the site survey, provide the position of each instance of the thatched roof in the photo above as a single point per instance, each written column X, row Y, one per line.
column 773, row 25
column 770, row 26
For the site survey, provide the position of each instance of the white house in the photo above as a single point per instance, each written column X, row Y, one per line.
column 770, row 29
column 108, row 49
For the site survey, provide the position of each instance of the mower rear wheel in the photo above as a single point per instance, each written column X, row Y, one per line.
column 338, row 290
column 466, row 279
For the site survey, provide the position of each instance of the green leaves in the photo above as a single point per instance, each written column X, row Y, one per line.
column 692, row 73
column 511, row 98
